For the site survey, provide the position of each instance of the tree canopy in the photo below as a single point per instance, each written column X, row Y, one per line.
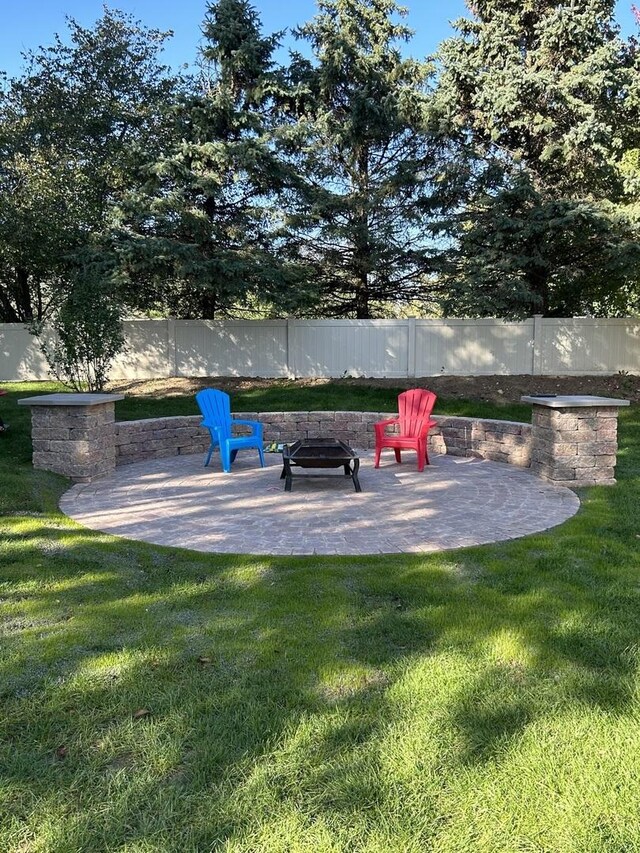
column 544, row 102
column 349, row 179
column 75, row 130
column 365, row 157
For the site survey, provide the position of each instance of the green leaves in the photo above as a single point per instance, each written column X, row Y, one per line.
column 544, row 101
column 354, row 216
column 75, row 132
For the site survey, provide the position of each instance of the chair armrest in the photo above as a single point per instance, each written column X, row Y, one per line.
column 380, row 425
column 256, row 425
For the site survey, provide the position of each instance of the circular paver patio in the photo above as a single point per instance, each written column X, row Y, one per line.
column 455, row 502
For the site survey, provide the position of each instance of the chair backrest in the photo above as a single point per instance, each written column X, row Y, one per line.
column 414, row 408
column 216, row 410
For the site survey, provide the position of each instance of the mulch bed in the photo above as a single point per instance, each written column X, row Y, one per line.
column 491, row 388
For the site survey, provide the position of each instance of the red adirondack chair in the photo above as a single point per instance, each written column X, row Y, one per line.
column 414, row 420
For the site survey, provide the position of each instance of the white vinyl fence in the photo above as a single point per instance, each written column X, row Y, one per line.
column 334, row 348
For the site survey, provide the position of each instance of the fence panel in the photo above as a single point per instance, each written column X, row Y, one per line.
column 586, row 345
column 149, row 351
column 20, row 357
column 335, row 348
column 473, row 347
column 231, row 348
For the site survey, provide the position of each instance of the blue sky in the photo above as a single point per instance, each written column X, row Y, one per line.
column 27, row 24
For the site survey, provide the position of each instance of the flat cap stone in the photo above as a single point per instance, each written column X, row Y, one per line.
column 70, row 399
column 571, row 402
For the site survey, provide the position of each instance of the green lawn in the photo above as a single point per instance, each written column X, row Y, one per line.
column 286, row 396
column 154, row 699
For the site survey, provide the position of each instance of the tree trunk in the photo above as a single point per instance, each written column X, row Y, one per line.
column 7, row 311
column 23, row 296
column 362, row 301
column 538, row 279
column 209, row 305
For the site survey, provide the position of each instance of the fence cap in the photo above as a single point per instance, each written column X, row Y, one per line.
column 70, row 399
column 573, row 402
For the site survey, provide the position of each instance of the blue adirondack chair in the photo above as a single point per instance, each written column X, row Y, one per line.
column 216, row 417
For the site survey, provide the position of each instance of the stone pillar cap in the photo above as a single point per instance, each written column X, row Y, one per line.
column 70, row 399
column 572, row 402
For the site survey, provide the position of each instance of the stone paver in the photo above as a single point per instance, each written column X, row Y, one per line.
column 454, row 503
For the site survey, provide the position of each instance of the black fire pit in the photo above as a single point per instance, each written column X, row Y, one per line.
column 319, row 453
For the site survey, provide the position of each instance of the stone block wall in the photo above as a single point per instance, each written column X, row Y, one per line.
column 500, row 441
column 79, row 444
column 74, row 434
column 154, row 438
column 575, row 446
column 572, row 441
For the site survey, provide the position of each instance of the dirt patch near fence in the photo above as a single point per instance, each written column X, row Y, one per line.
column 492, row 388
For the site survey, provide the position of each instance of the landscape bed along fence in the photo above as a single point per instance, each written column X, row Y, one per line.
column 539, row 346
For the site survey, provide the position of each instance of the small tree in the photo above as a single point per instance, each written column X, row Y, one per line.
column 87, row 331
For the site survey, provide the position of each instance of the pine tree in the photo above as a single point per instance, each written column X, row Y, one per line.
column 543, row 99
column 206, row 248
column 364, row 157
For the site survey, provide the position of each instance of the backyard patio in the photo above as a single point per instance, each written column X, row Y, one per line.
column 455, row 502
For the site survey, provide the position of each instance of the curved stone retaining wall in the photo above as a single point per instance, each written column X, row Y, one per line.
column 500, row 441
column 572, row 441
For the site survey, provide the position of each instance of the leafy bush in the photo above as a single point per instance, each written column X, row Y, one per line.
column 84, row 333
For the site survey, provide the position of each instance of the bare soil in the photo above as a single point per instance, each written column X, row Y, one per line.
column 492, row 388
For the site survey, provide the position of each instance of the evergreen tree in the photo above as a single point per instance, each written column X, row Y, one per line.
column 543, row 99
column 203, row 229
column 364, row 158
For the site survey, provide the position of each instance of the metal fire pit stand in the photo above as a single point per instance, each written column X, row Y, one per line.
column 319, row 453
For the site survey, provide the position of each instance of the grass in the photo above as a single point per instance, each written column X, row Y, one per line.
column 286, row 396
column 154, row 699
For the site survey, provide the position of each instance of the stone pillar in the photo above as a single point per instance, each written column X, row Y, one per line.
column 574, row 440
column 74, row 434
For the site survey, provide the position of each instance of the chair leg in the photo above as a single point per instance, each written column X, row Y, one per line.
column 426, row 453
column 261, row 455
column 397, row 452
column 225, row 457
column 208, row 458
column 421, row 456
column 376, row 463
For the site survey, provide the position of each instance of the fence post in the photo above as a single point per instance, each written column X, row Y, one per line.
column 172, row 346
column 289, row 355
column 536, row 367
column 411, row 347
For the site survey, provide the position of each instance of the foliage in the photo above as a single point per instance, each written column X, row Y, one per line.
column 364, row 157
column 339, row 184
column 203, row 225
column 84, row 332
column 544, row 101
column 75, row 130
